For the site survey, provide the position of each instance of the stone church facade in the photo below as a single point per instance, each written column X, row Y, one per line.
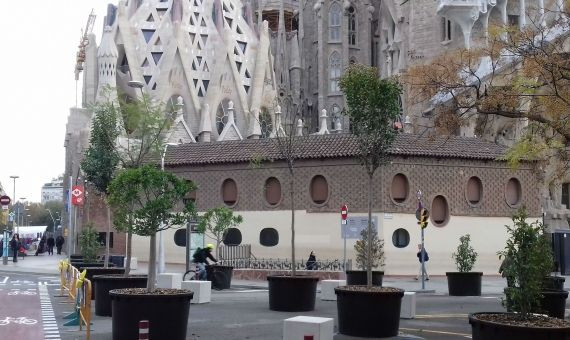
column 224, row 66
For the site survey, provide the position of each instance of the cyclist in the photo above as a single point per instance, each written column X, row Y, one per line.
column 201, row 256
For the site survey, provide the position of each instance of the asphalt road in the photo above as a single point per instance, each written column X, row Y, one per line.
column 232, row 314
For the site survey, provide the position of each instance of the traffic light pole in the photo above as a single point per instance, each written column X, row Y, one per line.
column 422, row 251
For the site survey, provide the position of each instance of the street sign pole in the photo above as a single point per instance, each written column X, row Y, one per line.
column 343, row 224
column 423, row 263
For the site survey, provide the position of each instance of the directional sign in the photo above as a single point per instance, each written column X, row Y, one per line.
column 355, row 226
column 5, row 200
column 77, row 195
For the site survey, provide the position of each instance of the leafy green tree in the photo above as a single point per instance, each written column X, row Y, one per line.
column 529, row 257
column 465, row 256
column 361, row 248
column 150, row 199
column 216, row 222
column 101, row 159
column 89, row 243
column 136, row 136
column 372, row 105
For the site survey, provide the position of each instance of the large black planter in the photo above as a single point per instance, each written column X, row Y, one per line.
column 370, row 314
column 76, row 257
column 487, row 330
column 167, row 314
column 105, row 283
column 92, row 271
column 81, row 264
column 221, row 276
column 553, row 302
column 292, row 293
column 464, row 284
column 358, row 277
column 553, row 283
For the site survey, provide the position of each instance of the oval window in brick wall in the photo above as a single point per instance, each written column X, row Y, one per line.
column 272, row 191
column 229, row 192
column 513, row 192
column 319, row 189
column 400, row 188
column 439, row 211
column 474, row 190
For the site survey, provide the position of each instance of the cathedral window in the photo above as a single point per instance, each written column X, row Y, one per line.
column 566, row 195
column 335, row 116
column 265, row 123
column 334, row 72
column 351, row 26
column 222, row 115
column 445, row 29
column 334, row 22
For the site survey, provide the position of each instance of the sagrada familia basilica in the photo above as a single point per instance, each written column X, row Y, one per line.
column 229, row 67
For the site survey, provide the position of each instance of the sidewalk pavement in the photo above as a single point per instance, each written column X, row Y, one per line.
column 48, row 264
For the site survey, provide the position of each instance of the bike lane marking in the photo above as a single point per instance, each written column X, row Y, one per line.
column 50, row 328
column 20, row 315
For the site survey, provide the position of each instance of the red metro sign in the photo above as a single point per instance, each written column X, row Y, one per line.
column 77, row 197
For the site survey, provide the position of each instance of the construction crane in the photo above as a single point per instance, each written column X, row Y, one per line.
column 83, row 42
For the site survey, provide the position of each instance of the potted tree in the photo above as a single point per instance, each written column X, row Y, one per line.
column 372, row 106
column 464, row 282
column 530, row 260
column 123, row 134
column 290, row 292
column 358, row 277
column 215, row 223
column 89, row 243
column 151, row 199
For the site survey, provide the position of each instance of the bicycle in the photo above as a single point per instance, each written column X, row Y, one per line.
column 191, row 274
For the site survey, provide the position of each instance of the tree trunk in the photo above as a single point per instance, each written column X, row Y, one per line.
column 292, row 194
column 152, row 264
column 218, row 242
column 108, row 235
column 369, row 236
column 129, row 253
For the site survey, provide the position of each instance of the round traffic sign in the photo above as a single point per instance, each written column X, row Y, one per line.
column 344, row 211
column 5, row 200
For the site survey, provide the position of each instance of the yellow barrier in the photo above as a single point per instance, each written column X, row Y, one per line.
column 77, row 286
column 85, row 309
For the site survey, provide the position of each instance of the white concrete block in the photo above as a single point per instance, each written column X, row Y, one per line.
column 327, row 289
column 169, row 280
column 298, row 327
column 134, row 263
column 408, row 308
column 202, row 290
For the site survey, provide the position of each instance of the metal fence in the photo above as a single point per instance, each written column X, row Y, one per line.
column 285, row 264
column 241, row 252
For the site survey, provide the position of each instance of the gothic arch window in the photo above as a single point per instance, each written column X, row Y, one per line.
column 334, row 22
column 222, row 115
column 265, row 123
column 351, row 26
column 335, row 115
column 334, row 72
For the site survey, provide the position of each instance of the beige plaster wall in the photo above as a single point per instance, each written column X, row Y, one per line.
column 321, row 232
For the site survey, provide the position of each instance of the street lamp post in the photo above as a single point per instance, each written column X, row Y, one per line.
column 22, row 217
column 14, row 194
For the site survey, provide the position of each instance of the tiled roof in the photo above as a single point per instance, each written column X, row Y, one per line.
column 330, row 146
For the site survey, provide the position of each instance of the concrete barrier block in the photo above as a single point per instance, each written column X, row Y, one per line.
column 408, row 309
column 202, row 290
column 327, row 289
column 169, row 280
column 298, row 327
column 134, row 263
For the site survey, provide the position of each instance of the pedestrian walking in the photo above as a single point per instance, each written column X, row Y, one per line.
column 311, row 262
column 15, row 246
column 50, row 244
column 422, row 253
column 41, row 246
column 59, row 241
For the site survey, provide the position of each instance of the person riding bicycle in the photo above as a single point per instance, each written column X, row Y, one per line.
column 201, row 256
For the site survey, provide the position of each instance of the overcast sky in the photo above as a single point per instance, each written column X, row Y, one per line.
column 37, row 88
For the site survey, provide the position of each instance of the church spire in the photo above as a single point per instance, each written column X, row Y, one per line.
column 107, row 56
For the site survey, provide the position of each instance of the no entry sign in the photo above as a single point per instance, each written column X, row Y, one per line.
column 344, row 212
column 5, row 200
